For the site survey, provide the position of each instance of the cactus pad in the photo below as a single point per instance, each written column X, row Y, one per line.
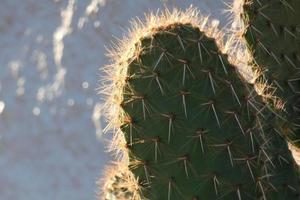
column 192, row 128
column 273, row 37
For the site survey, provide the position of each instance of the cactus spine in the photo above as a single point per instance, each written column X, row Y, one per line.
column 118, row 183
column 273, row 37
column 189, row 126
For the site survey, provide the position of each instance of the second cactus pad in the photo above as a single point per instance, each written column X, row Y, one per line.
column 192, row 127
column 273, row 37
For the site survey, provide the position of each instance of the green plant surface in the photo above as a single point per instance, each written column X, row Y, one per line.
column 273, row 37
column 193, row 128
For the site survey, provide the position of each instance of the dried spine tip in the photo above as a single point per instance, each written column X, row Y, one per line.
column 118, row 183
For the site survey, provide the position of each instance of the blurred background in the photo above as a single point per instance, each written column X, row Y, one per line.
column 51, row 142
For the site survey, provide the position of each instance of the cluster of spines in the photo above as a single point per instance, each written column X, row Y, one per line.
column 118, row 183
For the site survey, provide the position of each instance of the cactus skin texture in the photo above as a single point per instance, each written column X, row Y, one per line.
column 193, row 129
column 273, row 37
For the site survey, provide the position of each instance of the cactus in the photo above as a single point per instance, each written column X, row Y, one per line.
column 273, row 37
column 187, row 124
column 118, row 183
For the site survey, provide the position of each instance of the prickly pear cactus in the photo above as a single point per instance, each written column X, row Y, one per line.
column 189, row 127
column 273, row 37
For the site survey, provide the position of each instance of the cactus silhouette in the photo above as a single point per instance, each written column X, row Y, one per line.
column 273, row 37
column 186, row 124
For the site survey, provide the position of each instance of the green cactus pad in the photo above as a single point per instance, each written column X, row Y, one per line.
column 192, row 128
column 273, row 37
